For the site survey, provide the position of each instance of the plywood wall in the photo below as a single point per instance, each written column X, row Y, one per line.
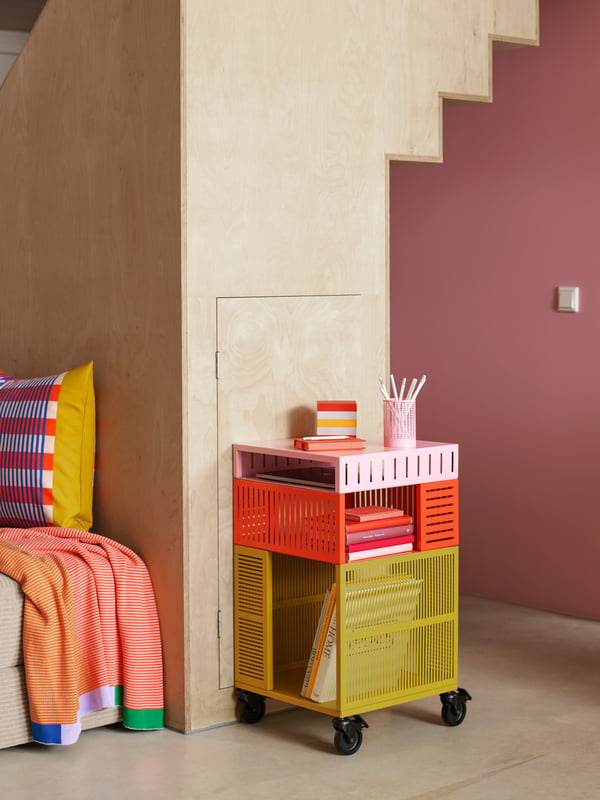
column 90, row 260
column 285, row 196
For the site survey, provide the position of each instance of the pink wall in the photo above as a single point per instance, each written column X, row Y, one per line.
column 478, row 246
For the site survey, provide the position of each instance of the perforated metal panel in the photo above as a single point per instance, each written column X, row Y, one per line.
column 398, row 628
column 253, row 618
column 289, row 519
column 437, row 515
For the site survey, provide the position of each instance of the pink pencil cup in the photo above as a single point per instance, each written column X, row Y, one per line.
column 399, row 423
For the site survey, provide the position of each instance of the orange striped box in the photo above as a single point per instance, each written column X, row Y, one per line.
column 336, row 417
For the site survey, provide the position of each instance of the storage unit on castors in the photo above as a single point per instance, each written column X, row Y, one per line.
column 396, row 616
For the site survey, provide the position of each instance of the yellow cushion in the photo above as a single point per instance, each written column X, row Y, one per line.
column 47, row 444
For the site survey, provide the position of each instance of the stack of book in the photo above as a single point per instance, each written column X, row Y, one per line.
column 374, row 531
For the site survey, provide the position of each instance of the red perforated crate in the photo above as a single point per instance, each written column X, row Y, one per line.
column 289, row 519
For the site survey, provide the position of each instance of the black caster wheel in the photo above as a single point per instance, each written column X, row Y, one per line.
column 454, row 707
column 250, row 707
column 348, row 734
column 347, row 743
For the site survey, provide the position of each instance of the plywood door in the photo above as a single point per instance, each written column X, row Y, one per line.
column 278, row 356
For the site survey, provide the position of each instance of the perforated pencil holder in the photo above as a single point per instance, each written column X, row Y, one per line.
column 399, row 423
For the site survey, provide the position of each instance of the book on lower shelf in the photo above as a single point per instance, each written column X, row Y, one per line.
column 325, row 683
column 315, row 644
column 327, row 612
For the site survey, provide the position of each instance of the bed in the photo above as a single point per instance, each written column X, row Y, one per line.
column 79, row 632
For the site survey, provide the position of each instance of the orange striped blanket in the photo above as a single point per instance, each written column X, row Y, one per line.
column 91, row 636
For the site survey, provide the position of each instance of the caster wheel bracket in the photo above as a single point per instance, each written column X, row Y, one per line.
column 454, row 707
column 348, row 725
column 456, row 699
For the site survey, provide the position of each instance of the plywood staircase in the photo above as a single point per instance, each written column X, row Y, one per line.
column 440, row 51
column 436, row 50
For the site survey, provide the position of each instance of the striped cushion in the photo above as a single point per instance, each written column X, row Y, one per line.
column 47, row 438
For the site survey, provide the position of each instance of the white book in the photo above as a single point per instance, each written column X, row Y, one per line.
column 325, row 685
column 314, row 645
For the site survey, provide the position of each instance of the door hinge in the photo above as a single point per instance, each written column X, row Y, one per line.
column 217, row 364
column 219, row 624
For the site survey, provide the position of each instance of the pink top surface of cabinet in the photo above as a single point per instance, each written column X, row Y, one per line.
column 374, row 467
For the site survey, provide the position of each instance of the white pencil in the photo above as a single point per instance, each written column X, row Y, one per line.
column 409, row 395
column 402, row 385
column 384, row 391
column 419, row 387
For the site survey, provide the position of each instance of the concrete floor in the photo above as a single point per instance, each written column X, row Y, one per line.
column 531, row 731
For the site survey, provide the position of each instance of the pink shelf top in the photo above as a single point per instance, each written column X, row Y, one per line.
column 373, row 467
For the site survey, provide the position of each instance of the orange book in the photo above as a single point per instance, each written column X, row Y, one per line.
column 366, row 513
column 329, row 443
column 326, row 622
column 352, row 527
column 316, row 638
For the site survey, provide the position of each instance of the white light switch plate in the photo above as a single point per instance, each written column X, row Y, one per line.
column 568, row 298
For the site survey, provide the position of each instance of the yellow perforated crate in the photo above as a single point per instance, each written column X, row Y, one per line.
column 396, row 626
column 398, row 629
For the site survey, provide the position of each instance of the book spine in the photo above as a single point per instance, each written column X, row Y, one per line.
column 317, row 636
column 324, row 687
column 326, row 621
column 376, row 534
column 352, row 527
column 372, row 545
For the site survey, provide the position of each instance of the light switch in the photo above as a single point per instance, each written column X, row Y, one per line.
column 568, row 298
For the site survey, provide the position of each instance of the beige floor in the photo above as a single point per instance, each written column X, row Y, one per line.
column 532, row 731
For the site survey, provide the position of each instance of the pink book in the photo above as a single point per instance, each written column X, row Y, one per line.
column 377, row 552
column 375, row 524
column 378, row 534
column 353, row 548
